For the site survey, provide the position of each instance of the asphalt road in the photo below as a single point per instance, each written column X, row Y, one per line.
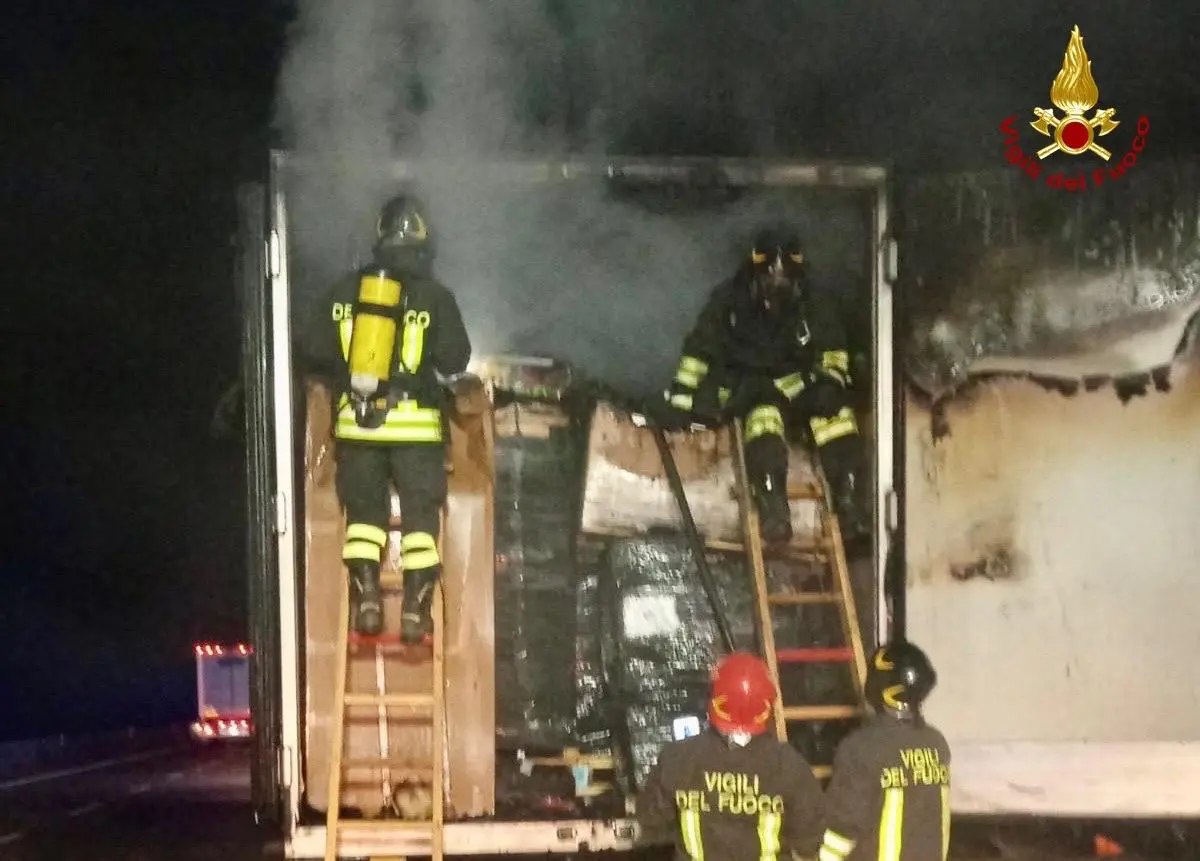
column 184, row 805
column 194, row 805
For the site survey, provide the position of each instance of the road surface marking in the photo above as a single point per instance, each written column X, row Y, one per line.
column 83, row 769
column 86, row 809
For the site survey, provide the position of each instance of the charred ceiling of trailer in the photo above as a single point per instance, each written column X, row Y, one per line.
column 1077, row 291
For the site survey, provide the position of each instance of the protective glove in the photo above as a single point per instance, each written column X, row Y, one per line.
column 667, row 415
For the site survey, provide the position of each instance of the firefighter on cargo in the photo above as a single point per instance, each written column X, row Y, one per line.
column 889, row 798
column 767, row 348
column 733, row 792
column 392, row 329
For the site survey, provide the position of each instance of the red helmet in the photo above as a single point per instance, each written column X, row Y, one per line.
column 742, row 695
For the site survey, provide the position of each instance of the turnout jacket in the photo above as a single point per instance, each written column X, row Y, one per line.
column 431, row 339
column 712, row 800
column 889, row 799
column 735, row 337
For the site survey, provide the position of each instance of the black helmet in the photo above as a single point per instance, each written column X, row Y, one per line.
column 899, row 679
column 777, row 264
column 403, row 232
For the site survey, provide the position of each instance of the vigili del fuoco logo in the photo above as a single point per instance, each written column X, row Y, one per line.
column 1073, row 133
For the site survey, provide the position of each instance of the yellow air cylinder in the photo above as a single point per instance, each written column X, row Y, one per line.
column 374, row 339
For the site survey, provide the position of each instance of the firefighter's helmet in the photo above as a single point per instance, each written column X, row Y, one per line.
column 777, row 263
column 404, row 224
column 899, row 678
column 742, row 695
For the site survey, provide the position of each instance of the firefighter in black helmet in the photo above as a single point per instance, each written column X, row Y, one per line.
column 889, row 797
column 390, row 329
column 768, row 348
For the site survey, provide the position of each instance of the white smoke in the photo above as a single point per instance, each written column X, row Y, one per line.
column 555, row 267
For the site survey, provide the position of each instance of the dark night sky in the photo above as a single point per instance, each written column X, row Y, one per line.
column 127, row 126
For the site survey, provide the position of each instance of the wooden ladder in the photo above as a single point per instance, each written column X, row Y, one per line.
column 431, row 704
column 829, row 550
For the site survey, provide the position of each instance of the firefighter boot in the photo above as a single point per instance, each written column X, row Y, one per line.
column 416, row 618
column 851, row 513
column 775, row 517
column 366, row 598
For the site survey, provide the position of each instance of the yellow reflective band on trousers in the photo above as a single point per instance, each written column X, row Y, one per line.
column 836, row 363
column 835, row 847
column 764, row 421
column 769, row 825
column 364, row 542
column 945, row 822
column 826, row 430
column 791, row 385
column 405, row 422
column 689, row 826
column 419, row 550
column 691, row 371
column 891, row 825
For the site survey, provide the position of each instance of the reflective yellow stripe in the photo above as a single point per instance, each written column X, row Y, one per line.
column 366, row 532
column 413, row 345
column 420, row 550
column 762, row 421
column 891, row 825
column 835, row 847
column 945, row 822
column 768, row 835
column 689, row 825
column 345, row 332
column 365, row 550
column 791, row 385
column 405, row 422
column 836, row 362
column 680, row 401
column 826, row 430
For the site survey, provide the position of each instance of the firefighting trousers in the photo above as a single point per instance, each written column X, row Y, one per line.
column 365, row 474
column 769, row 417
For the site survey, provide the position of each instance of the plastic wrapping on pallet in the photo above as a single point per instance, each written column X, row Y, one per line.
column 667, row 638
column 626, row 491
column 593, row 644
column 536, row 500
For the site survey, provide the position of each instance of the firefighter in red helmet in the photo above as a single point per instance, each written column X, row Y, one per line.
column 734, row 791
column 889, row 798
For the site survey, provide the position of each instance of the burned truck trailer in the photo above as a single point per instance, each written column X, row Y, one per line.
column 657, row 235
column 1045, row 586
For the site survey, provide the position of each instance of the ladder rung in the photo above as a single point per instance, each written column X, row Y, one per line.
column 384, row 824
column 829, row 712
column 788, row 599
column 383, row 640
column 391, row 581
column 397, row 768
column 796, row 548
column 400, row 701
column 805, row 490
column 820, row 772
column 815, row 655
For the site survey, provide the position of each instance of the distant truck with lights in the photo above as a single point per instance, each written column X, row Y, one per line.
column 222, row 692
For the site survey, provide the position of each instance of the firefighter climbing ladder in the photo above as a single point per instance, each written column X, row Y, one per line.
column 431, row 704
column 830, row 550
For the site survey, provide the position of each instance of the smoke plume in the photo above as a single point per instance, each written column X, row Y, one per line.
column 555, row 267
column 564, row 267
